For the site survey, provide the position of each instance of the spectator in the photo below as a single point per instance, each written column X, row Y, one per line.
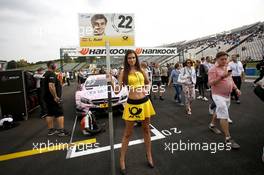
column 94, row 71
column 222, row 85
column 237, row 70
column 200, row 74
column 260, row 67
column 156, row 77
column 81, row 78
column 244, row 62
column 170, row 68
column 259, row 89
column 60, row 77
column 207, row 65
column 177, row 86
column 102, row 71
column 164, row 75
column 188, row 79
column 68, row 78
column 63, row 74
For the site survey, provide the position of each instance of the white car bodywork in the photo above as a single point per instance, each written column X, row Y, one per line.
column 93, row 94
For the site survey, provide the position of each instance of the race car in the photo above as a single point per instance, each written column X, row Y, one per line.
column 92, row 95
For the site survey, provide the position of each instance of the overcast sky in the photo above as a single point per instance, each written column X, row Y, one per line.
column 36, row 29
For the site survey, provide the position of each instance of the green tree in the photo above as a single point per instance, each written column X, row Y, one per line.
column 22, row 63
column 67, row 58
column 81, row 59
column 11, row 65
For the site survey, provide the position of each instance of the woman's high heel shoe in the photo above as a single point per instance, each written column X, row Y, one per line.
column 151, row 165
column 123, row 171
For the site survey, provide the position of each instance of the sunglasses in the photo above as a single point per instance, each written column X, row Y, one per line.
column 189, row 62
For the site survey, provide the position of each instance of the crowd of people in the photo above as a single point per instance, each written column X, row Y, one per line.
column 231, row 38
column 218, row 79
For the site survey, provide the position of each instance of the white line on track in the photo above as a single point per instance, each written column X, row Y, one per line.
column 72, row 152
column 69, row 152
column 73, row 128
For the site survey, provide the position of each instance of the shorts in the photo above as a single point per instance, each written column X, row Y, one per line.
column 222, row 105
column 53, row 108
column 138, row 110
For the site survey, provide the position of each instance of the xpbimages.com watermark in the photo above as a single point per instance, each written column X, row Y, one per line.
column 52, row 146
column 146, row 88
column 196, row 146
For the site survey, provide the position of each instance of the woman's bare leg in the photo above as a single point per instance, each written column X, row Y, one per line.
column 125, row 140
column 147, row 140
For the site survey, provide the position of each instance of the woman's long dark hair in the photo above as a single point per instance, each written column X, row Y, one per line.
column 127, row 67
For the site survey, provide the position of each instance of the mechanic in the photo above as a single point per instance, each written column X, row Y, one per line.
column 52, row 97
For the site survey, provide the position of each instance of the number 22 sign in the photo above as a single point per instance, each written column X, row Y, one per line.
column 118, row 29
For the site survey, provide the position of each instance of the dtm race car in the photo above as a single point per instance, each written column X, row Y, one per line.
column 92, row 95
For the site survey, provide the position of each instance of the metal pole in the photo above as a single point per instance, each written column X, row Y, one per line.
column 61, row 59
column 262, row 48
column 110, row 111
column 1, row 111
column 183, row 56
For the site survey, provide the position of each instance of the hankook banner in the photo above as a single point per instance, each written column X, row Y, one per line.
column 91, row 51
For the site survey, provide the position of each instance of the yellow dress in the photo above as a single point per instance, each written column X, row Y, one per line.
column 137, row 110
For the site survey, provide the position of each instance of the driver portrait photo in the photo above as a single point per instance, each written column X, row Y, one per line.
column 99, row 22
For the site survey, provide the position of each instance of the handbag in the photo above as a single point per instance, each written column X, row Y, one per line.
column 259, row 91
column 182, row 79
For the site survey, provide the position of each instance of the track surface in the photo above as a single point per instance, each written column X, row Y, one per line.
column 247, row 130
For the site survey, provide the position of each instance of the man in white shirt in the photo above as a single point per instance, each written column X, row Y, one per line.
column 164, row 75
column 68, row 78
column 237, row 74
column 207, row 65
column 39, row 78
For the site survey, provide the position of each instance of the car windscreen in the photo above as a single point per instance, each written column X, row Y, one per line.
column 94, row 82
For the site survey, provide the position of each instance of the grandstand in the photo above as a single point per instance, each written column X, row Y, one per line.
column 247, row 41
column 79, row 66
column 251, row 49
column 69, row 66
